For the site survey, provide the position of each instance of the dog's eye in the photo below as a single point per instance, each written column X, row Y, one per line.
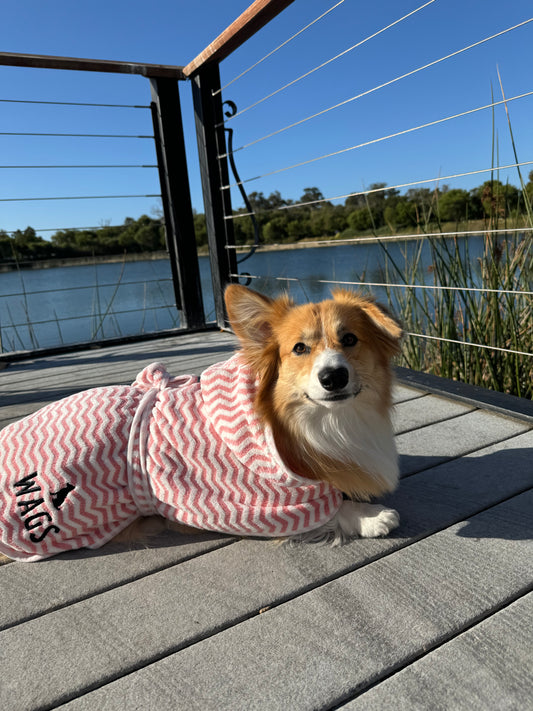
column 300, row 349
column 348, row 340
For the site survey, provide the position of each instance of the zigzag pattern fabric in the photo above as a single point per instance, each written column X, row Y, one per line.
column 78, row 471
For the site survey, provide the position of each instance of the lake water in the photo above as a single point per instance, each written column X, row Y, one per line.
column 61, row 306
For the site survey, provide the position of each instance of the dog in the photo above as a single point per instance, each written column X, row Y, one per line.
column 288, row 439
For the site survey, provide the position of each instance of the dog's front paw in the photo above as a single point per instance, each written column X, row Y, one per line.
column 367, row 520
column 380, row 522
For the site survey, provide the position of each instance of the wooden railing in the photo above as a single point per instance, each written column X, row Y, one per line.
column 259, row 14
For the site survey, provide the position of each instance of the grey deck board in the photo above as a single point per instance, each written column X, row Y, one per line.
column 413, row 414
column 213, row 622
column 32, row 591
column 437, row 442
column 493, row 651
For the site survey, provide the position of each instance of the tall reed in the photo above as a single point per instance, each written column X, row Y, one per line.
column 474, row 321
column 473, row 325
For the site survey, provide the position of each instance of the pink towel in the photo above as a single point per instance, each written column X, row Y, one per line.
column 78, row 471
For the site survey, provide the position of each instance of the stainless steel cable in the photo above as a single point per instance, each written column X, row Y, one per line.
column 468, row 343
column 79, row 197
column 383, row 85
column 74, row 103
column 329, row 61
column 391, row 187
column 279, row 47
column 434, row 287
column 402, row 237
column 377, row 140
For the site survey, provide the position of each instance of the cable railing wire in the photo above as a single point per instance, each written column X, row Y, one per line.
column 117, row 312
column 381, row 86
column 469, row 343
column 405, row 237
column 333, row 59
column 74, row 103
column 33, row 167
column 75, row 229
column 431, row 287
column 79, row 197
column 74, row 135
column 87, row 286
column 435, row 287
column 276, row 49
column 399, row 186
column 378, row 140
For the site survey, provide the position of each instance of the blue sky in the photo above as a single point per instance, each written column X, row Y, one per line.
column 173, row 32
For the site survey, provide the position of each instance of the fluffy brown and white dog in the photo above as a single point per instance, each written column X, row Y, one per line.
column 325, row 391
column 269, row 443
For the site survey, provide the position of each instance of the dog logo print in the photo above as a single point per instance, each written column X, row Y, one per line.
column 58, row 499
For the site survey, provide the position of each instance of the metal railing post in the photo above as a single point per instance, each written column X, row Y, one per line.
column 177, row 206
column 214, row 174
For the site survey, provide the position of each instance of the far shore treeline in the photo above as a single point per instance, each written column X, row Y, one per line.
column 383, row 211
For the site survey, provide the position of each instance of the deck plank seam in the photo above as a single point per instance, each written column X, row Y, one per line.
column 421, row 396
column 63, row 371
column 456, row 457
column 446, row 639
column 440, row 420
column 109, row 588
column 446, row 418
column 36, row 369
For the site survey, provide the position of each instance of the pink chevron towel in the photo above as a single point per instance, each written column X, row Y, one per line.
column 78, row 471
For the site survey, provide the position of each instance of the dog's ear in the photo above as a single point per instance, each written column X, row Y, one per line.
column 383, row 319
column 384, row 326
column 251, row 315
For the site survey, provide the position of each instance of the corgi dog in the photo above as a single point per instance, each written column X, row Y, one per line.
column 289, row 439
column 325, row 377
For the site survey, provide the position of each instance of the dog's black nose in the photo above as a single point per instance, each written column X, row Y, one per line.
column 333, row 379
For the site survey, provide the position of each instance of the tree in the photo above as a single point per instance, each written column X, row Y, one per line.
column 453, row 205
column 275, row 201
column 360, row 220
column 328, row 221
column 379, row 206
column 259, row 202
column 391, row 218
column 28, row 245
column 313, row 195
column 405, row 213
column 376, row 202
column 6, row 246
column 143, row 235
column 275, row 229
column 353, row 202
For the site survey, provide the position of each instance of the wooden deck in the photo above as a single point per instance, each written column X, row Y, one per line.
column 437, row 616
